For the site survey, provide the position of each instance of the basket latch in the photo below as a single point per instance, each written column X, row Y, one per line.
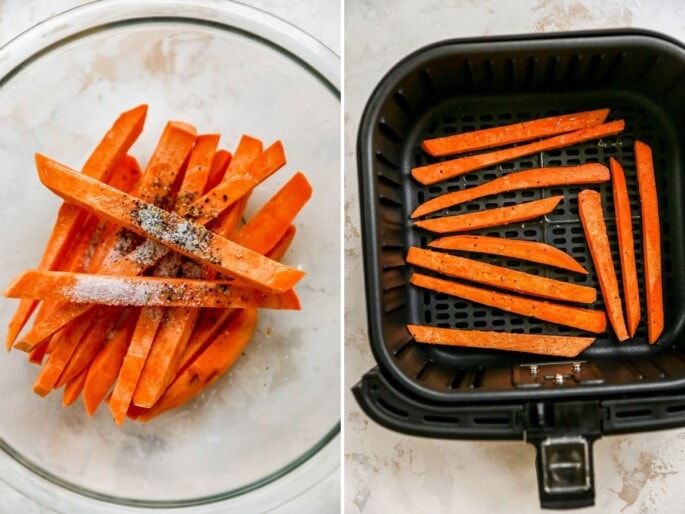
column 563, row 434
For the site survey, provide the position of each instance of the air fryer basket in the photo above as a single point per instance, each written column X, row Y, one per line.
column 560, row 406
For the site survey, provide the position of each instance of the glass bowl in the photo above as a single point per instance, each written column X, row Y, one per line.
column 269, row 429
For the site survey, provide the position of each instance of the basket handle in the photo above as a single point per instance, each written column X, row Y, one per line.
column 563, row 434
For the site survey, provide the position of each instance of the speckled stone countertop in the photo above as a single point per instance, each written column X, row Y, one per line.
column 390, row 472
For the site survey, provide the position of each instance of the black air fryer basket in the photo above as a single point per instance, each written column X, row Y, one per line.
column 559, row 406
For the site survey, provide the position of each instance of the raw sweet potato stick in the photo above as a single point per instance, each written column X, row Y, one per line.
column 500, row 277
column 211, row 321
column 532, row 251
column 491, row 217
column 139, row 259
column 592, row 218
column 139, row 291
column 584, row 319
column 156, row 182
column 559, row 346
column 261, row 233
column 194, row 182
column 540, row 177
column 103, row 370
column 651, row 240
column 100, row 165
column 209, row 366
column 626, row 246
column 513, row 133
column 440, row 171
column 189, row 239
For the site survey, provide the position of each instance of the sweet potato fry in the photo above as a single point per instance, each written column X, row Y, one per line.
column 211, row 321
column 150, row 318
column 440, row 171
column 584, row 319
column 558, row 346
column 651, row 240
column 63, row 347
column 491, row 217
column 513, row 133
column 139, row 291
column 261, row 233
column 100, row 165
column 626, row 246
column 189, row 239
column 532, row 251
column 104, row 368
column 235, row 185
column 222, row 159
column 503, row 278
column 73, row 389
column 592, row 218
column 197, row 173
column 90, row 343
column 540, row 177
column 214, row 361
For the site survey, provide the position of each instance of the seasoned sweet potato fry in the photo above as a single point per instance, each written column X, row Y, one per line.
column 651, row 240
column 500, row 277
column 100, row 165
column 88, row 288
column 209, row 366
column 584, row 319
column 433, row 173
column 626, row 246
column 513, row 133
column 558, row 346
column 592, row 218
column 491, row 217
column 525, row 250
column 540, row 177
column 189, row 239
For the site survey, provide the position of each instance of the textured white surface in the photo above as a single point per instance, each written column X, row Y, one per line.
column 319, row 18
column 389, row 472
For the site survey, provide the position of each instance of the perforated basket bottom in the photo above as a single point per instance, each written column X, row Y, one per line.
column 561, row 228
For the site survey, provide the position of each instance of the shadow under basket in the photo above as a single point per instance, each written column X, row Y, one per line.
column 561, row 407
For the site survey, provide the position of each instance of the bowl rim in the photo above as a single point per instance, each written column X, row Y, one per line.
column 321, row 459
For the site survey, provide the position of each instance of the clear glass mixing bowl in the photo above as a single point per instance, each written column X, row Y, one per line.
column 270, row 428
